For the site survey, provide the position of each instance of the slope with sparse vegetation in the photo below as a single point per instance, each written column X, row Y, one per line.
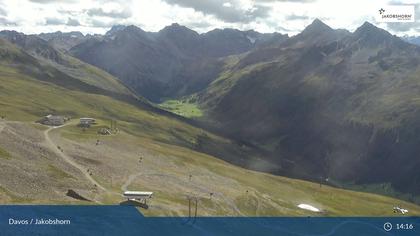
column 327, row 104
column 150, row 151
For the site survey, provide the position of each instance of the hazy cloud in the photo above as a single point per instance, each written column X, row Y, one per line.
column 54, row 21
column 6, row 22
column 124, row 13
column 102, row 24
column 72, row 22
column 3, row 12
column 278, row 28
column 199, row 24
column 403, row 27
column 70, row 12
column 52, row 1
column 274, row 1
column 226, row 10
column 297, row 17
column 284, row 16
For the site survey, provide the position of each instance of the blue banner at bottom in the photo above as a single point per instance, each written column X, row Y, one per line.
column 127, row 220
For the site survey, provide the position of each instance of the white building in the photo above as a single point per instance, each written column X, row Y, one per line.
column 138, row 195
column 87, row 121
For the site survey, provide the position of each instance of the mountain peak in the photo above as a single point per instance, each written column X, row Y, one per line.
column 180, row 34
column 125, row 31
column 369, row 28
column 175, row 27
column 317, row 21
column 366, row 27
column 371, row 34
column 132, row 28
column 114, row 29
column 317, row 26
column 119, row 28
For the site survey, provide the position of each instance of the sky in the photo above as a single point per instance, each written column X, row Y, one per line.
column 284, row 16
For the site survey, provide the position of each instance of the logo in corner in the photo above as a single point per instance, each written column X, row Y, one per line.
column 381, row 11
column 395, row 13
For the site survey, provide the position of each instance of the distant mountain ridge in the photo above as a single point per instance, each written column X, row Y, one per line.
column 172, row 62
column 65, row 41
column 32, row 44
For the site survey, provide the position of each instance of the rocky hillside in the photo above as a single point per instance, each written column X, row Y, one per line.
column 327, row 104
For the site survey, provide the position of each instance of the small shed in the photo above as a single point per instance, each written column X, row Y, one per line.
column 87, row 122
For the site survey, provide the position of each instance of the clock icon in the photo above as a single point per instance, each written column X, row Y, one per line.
column 387, row 226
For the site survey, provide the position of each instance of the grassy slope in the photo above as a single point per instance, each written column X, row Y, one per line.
column 182, row 107
column 166, row 168
column 23, row 99
column 92, row 75
column 35, row 64
column 168, row 161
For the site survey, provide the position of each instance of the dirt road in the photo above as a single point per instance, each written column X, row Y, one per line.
column 53, row 146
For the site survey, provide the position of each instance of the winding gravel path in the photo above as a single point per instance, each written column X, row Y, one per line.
column 68, row 159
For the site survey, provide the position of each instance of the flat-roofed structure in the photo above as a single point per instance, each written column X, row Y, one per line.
column 138, row 195
column 87, row 122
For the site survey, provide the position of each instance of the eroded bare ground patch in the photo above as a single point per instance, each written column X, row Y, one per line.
column 33, row 173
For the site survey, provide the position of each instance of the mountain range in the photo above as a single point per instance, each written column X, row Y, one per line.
column 175, row 61
column 326, row 104
column 65, row 41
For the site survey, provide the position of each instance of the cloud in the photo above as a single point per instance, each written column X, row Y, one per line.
column 276, row 25
column 70, row 12
column 124, row 13
column 6, row 22
column 285, row 16
column 102, row 24
column 198, row 26
column 403, row 27
column 73, row 22
column 3, row 12
column 226, row 10
column 297, row 17
column 53, row 1
column 54, row 21
column 274, row 1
